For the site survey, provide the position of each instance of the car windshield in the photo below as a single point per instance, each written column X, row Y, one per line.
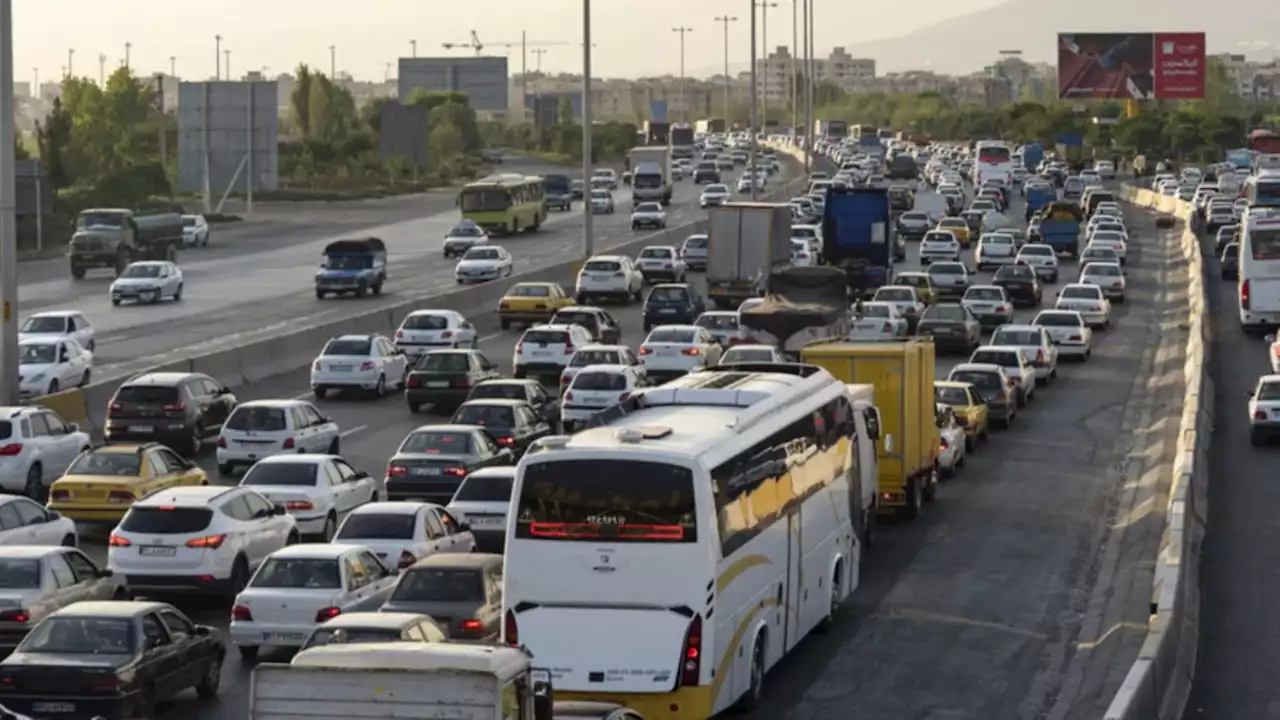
column 952, row 224
column 986, row 294
column 257, row 418
column 895, row 295
column 440, row 585
column 482, row 253
column 19, row 574
column 291, row 474
column 490, row 415
column 982, row 380
column 485, row 487
column 44, row 324
column 575, row 317
column 308, row 573
column 166, row 519
column 546, row 337
column 437, row 442
column 534, row 291
column 37, row 353
column 602, row 381
column 1014, row 273
column 648, row 208
column 915, row 217
column 937, row 237
column 945, row 313
column 1081, row 293
column 669, row 294
column 466, row 230
column 120, row 464
column 1006, row 336
column 696, row 242
column 803, row 232
column 950, row 395
column 716, row 190
column 1037, row 250
column 608, row 266
column 426, row 322
column 717, row 322
column 378, row 526
column 80, row 636
column 348, row 348
column 1059, row 320
column 1099, row 252
column 583, row 358
column 351, row 636
column 670, row 335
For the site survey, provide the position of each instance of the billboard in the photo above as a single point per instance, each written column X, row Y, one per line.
column 219, row 123
column 545, row 107
column 402, row 133
column 658, row 111
column 483, row 79
column 1131, row 66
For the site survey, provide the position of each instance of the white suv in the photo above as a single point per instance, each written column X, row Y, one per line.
column 545, row 350
column 358, row 362
column 263, row 428
column 36, row 447
column 611, row 276
column 197, row 539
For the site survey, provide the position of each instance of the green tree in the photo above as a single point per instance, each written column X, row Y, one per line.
column 564, row 111
column 300, row 101
column 53, row 137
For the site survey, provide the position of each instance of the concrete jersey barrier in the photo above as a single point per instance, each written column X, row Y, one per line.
column 1159, row 681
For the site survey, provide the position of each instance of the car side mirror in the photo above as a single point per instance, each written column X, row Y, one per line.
column 73, row 427
column 106, row 573
column 1248, row 393
column 1270, row 338
column 278, row 510
column 203, row 631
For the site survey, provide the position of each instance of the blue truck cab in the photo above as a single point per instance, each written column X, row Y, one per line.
column 1060, row 227
column 355, row 267
column 858, row 237
column 1032, row 156
column 1038, row 196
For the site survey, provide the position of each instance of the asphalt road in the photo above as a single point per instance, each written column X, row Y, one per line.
column 960, row 614
column 264, row 280
column 1239, row 657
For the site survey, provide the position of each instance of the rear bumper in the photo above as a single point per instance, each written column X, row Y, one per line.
column 184, row 584
column 256, row 634
column 84, row 706
column 91, row 514
column 434, row 397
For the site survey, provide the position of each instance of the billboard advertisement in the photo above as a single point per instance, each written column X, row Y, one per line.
column 483, row 79
column 1131, row 66
column 658, row 111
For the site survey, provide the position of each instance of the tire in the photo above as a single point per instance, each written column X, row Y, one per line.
column 69, row 541
column 77, row 272
column 211, row 679
column 239, row 578
column 754, row 696
column 330, row 528
column 34, row 486
column 53, row 387
column 320, row 392
column 177, row 294
column 196, row 440
column 293, row 539
column 225, row 469
column 248, row 653
column 84, row 379
column 504, row 324
column 335, row 447
column 414, row 407
column 144, row 705
column 361, row 290
column 915, row 502
column 931, row 491
column 320, row 294
column 970, row 444
column 380, row 390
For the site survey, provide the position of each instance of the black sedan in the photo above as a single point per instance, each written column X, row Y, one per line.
column 115, row 659
column 547, row 405
column 514, row 424
column 461, row 592
column 952, row 327
column 1020, row 283
column 446, row 377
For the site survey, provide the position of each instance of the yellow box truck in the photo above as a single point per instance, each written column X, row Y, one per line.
column 902, row 375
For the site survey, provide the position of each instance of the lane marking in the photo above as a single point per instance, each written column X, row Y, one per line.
column 302, row 395
column 490, row 336
column 353, row 431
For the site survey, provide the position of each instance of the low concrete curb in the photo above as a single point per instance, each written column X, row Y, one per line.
column 1159, row 682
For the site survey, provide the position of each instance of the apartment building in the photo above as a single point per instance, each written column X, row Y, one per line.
column 774, row 71
column 1252, row 79
column 627, row 99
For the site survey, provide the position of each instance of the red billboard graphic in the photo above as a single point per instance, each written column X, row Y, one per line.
column 1131, row 66
column 1179, row 66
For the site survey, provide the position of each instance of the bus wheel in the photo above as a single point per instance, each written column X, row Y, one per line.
column 514, row 228
column 537, row 223
column 824, row 625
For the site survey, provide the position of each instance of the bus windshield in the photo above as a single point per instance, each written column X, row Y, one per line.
column 997, row 154
column 485, row 200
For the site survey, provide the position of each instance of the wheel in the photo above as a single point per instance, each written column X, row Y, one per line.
column 177, row 294
column 361, row 290
column 69, row 541
column 248, row 653
column 414, row 407
column 915, row 502
column 53, row 387
column 205, row 242
column 320, row 392
column 931, row 490
column 1255, row 438
column 196, row 440
column 293, row 539
column 34, row 486
column 211, row 679
column 225, row 469
column 380, row 390
column 504, row 323
column 330, row 527
column 377, row 288
column 144, row 703
column 335, row 447
column 824, row 625
column 754, row 695
column 84, row 379
column 77, row 272
column 239, row 578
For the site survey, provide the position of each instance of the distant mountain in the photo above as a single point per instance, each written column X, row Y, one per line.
column 970, row 42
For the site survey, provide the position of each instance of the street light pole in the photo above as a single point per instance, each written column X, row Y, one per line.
column 217, row 57
column 793, row 83
column 812, row 75
column 684, row 95
column 808, row 141
column 755, row 101
column 227, row 54
column 102, row 70
column 173, row 66
column 71, row 54
column 8, row 216
column 726, row 20
column 333, row 62
column 128, row 52
column 413, row 46
column 588, row 240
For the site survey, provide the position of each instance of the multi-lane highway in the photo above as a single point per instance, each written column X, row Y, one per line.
column 977, row 609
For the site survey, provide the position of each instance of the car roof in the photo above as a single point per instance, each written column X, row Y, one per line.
column 110, row 608
column 507, row 471
column 28, row 552
column 316, row 551
column 495, row 402
column 605, row 369
column 392, row 507
column 1020, row 327
column 976, row 367
column 985, row 287
column 159, row 379
column 1081, row 285
column 54, row 313
column 580, row 308
column 613, row 258
column 381, row 620
column 457, row 560
column 275, row 403
column 125, row 448
column 555, row 327
column 753, row 346
column 676, row 326
column 508, row 381
column 365, row 336
column 186, row 496
column 598, row 347
column 444, row 427
column 292, row 459
column 952, row 384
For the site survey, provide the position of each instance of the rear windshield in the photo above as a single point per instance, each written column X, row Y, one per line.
column 669, row 294
column 950, row 313
column 426, row 322
column 946, row 269
column 160, row 520
column 530, row 291
column 1015, row 337
column 1058, row 320
column 440, row 585
column 748, row 355
column 1102, row 269
column 444, row 362
column 995, row 357
column 1080, row 293
column 357, row 348
column 485, row 415
column 19, row 574
column 951, row 395
column 607, row 500
column 874, row 311
column 81, row 636
column 603, row 266
column 498, row 391
column 147, row 395
column 1036, row 250
column 895, row 294
column 378, row 526
column 122, row 464
column 654, row 252
column 583, row 358
column 585, row 319
column 982, row 380
column 6, row 429
column 260, row 419
column 293, row 474
column 718, row 322
column 599, row 381
column 485, row 488
column 696, row 241
column 670, row 335
column 352, row 636
column 451, row 443
column 310, row 573
column 546, row 337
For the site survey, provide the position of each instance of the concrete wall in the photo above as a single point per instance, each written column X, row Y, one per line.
column 225, row 108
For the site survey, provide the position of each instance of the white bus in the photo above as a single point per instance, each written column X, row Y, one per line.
column 1259, row 282
column 668, row 556
column 994, row 162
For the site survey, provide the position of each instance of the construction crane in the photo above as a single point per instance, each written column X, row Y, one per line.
column 479, row 46
column 474, row 43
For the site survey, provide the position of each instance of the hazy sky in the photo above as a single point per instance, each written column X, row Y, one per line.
column 632, row 37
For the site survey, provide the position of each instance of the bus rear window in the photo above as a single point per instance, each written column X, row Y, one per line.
column 1265, row 244
column 619, row 501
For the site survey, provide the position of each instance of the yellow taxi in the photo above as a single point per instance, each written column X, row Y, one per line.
column 104, row 481
column 923, row 284
column 958, row 227
column 968, row 407
column 531, row 302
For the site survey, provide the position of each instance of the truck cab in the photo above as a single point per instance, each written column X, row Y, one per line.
column 352, row 267
column 859, row 237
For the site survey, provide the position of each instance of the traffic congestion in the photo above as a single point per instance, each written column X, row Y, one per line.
column 734, row 424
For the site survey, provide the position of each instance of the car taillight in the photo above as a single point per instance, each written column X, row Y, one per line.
column 691, row 351
column 802, row 256
column 463, row 383
column 120, row 496
column 406, row 559
column 1012, row 382
column 222, row 442
column 568, row 348
column 942, row 443
column 1244, row 295
column 119, row 541
column 619, row 274
column 399, row 334
column 446, row 334
column 645, row 351
column 368, row 365
column 506, row 441
column 1076, row 338
column 413, row 381
column 472, row 625
column 568, row 397
column 104, row 685
column 1000, row 310
column 1259, row 415
column 455, row 472
column 114, row 407
column 175, row 407
column 510, row 630
column 520, row 347
column 396, row 471
column 241, row 613
column 209, row 542
column 691, row 654
column 316, row 366
column 288, row 444
column 299, row 505
column 1039, row 356
column 328, row 613
column 623, row 396
column 18, row 616
column 11, row 450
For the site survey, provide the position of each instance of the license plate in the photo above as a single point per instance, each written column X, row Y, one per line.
column 426, row 471
column 868, row 325
column 540, row 353
column 667, row 311
column 488, row 522
column 157, row 551
column 270, row 638
column 53, row 707
column 340, row 368
column 437, row 384
column 142, row 429
column 983, row 308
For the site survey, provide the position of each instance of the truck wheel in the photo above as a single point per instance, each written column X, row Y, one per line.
column 77, row 271
column 171, row 254
column 915, row 502
column 319, row 294
column 377, row 288
column 122, row 261
column 361, row 290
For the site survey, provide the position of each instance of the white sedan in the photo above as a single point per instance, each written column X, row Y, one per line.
column 54, row 324
column 1070, row 333
column 713, row 195
column 1108, row 276
column 1273, row 352
column 752, row 354
column 1040, row 258
column 195, row 231
column 877, row 321
column 951, row 441
column 648, row 215
column 903, row 297
column 486, row 262
column 317, row 490
column 402, row 533
column 150, row 281
column 601, row 202
column 48, row 366
column 1089, row 301
column 1037, row 347
column 674, row 350
column 358, row 362
column 939, row 245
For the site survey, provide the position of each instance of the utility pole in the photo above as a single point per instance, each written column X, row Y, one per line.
column 71, row 54
column 217, row 57
column 128, row 51
column 808, row 141
column 227, row 55
column 684, row 96
column 333, row 62
column 8, row 216
column 524, row 74
column 164, row 139
column 386, row 72
column 413, row 48
column 588, row 240
column 755, row 101
column 35, row 83
column 173, row 66
column 726, row 20
column 812, row 77
column 793, row 82
column 764, row 40
column 102, row 71
column 537, row 84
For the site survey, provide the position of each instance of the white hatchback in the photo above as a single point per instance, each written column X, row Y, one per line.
column 358, row 362
column 596, row 388
column 263, row 428
column 724, row 325
column 23, row 522
column 1037, row 347
column 609, row 276
column 545, row 350
column 425, row 330
column 401, row 533
column 1088, row 300
column 598, row 355
column 317, row 490
column 877, row 321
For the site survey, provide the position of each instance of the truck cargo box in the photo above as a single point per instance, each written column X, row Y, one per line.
column 746, row 242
